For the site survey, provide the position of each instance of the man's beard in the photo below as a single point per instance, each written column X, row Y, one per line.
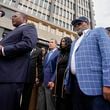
column 80, row 32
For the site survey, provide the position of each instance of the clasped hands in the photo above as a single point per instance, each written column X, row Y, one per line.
column 51, row 85
column 106, row 90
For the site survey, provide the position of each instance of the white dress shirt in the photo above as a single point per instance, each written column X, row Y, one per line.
column 77, row 43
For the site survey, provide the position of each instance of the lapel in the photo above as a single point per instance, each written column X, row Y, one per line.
column 53, row 54
column 12, row 32
column 85, row 36
column 51, row 57
column 46, row 57
column 8, row 35
column 73, row 44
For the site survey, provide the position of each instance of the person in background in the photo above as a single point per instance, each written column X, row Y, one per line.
column 29, row 96
column 44, row 51
column 2, row 13
column 45, row 100
column 15, row 50
column 63, row 100
column 108, row 30
column 88, row 70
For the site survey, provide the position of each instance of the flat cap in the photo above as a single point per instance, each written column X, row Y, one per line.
column 80, row 19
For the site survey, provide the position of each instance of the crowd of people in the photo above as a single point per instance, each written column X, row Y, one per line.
column 74, row 75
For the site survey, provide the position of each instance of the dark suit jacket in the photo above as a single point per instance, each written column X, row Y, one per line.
column 49, row 67
column 35, row 62
column 35, row 68
column 17, row 46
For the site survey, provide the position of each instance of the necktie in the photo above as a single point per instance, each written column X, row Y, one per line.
column 49, row 55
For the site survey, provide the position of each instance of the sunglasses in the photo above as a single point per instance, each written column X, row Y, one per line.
column 78, row 24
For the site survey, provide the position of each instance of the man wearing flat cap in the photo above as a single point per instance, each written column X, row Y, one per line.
column 88, row 70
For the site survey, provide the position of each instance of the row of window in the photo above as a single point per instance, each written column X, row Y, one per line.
column 55, row 20
column 68, row 3
column 85, row 3
column 51, row 30
column 82, row 11
column 62, row 12
column 44, row 16
column 47, row 5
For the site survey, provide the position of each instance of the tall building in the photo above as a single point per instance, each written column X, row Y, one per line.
column 51, row 17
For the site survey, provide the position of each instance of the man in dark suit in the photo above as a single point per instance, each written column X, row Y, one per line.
column 15, row 50
column 29, row 99
column 49, row 66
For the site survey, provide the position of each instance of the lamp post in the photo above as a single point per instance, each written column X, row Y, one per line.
column 2, row 13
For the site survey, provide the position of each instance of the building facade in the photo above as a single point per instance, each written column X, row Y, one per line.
column 52, row 18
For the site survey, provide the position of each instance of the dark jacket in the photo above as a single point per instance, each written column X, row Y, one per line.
column 17, row 46
column 49, row 67
column 35, row 68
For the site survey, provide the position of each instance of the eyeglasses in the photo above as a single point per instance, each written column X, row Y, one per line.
column 78, row 24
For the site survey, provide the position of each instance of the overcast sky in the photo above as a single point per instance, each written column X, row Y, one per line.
column 102, row 13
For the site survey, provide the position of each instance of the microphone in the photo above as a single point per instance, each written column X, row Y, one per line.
column 2, row 13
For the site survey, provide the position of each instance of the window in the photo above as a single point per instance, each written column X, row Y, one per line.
column 41, row 3
column 45, row 5
column 70, row 5
column 64, row 13
column 60, row 11
column 68, row 14
column 52, row 30
column 39, row 14
column 60, row 22
column 43, row 16
column 57, row 9
column 56, row 21
column 34, row 11
column 63, row 24
column 49, row 7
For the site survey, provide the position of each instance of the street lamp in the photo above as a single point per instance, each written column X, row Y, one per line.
column 2, row 13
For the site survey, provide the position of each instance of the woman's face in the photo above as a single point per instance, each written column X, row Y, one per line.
column 63, row 44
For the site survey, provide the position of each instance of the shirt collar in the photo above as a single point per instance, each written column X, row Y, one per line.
column 53, row 50
column 22, row 24
column 85, row 31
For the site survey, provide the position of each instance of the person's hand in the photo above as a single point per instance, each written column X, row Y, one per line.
column 37, row 81
column 106, row 93
column 51, row 85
